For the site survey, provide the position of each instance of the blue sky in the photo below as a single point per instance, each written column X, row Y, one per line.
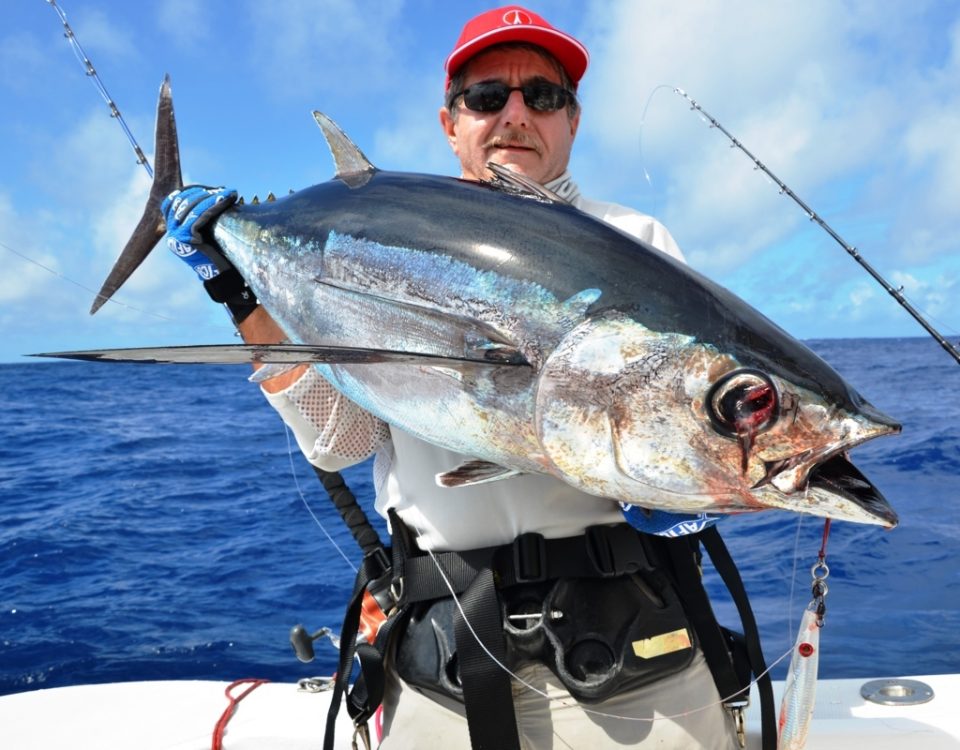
column 854, row 104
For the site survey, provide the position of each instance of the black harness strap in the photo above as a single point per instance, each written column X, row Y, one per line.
column 721, row 648
column 370, row 569
column 369, row 689
column 487, row 693
column 713, row 643
column 601, row 552
column 475, row 576
column 727, row 569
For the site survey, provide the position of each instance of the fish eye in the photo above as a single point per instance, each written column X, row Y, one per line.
column 743, row 402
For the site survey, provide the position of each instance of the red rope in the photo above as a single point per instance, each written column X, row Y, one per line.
column 221, row 728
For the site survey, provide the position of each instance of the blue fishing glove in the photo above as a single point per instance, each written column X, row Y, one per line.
column 188, row 213
column 661, row 523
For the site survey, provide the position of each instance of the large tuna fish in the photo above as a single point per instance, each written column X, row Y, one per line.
column 557, row 344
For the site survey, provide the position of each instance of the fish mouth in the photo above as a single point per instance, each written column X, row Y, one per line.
column 834, row 488
column 823, row 482
column 837, row 476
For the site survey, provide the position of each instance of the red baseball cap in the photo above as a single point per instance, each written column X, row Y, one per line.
column 513, row 23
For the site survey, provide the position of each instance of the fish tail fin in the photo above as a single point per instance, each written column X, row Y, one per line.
column 167, row 178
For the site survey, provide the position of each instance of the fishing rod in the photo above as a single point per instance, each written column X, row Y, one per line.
column 896, row 293
column 95, row 77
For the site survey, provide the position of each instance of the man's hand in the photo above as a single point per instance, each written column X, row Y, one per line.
column 186, row 213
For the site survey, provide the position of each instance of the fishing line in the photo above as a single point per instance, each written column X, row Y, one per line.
column 303, row 499
column 643, row 161
column 82, row 286
column 896, row 293
column 793, row 578
column 569, row 702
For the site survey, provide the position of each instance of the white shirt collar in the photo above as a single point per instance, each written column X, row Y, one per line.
column 565, row 187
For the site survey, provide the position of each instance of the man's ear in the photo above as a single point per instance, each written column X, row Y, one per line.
column 574, row 124
column 449, row 124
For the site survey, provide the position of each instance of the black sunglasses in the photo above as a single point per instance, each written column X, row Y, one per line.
column 491, row 96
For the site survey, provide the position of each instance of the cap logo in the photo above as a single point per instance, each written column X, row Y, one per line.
column 516, row 18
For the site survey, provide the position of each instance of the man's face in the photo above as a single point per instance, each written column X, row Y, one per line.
column 535, row 144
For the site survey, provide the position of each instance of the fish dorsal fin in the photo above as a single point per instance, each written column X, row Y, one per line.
column 482, row 341
column 353, row 167
column 517, row 184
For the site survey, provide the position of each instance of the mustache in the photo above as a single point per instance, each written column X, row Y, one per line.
column 516, row 139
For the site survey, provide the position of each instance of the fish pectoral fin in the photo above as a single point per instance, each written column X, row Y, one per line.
column 353, row 167
column 476, row 339
column 494, row 352
column 284, row 354
column 474, row 472
column 508, row 181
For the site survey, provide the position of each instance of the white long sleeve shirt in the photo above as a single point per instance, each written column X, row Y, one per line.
column 333, row 433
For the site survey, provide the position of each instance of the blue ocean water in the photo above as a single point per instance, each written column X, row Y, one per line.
column 152, row 527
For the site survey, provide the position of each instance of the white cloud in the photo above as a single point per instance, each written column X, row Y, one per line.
column 187, row 22
column 921, row 184
column 411, row 138
column 71, row 232
column 907, row 282
column 28, row 265
column 82, row 168
column 860, row 295
column 306, row 46
column 929, row 148
column 744, row 55
column 20, row 52
column 822, row 92
column 96, row 192
column 933, row 296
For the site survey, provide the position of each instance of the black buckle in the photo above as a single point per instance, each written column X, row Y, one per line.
column 615, row 550
column 529, row 558
column 378, row 563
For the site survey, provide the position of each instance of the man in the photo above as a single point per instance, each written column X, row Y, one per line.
column 510, row 100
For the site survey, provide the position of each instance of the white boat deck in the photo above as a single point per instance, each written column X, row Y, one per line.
column 181, row 715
